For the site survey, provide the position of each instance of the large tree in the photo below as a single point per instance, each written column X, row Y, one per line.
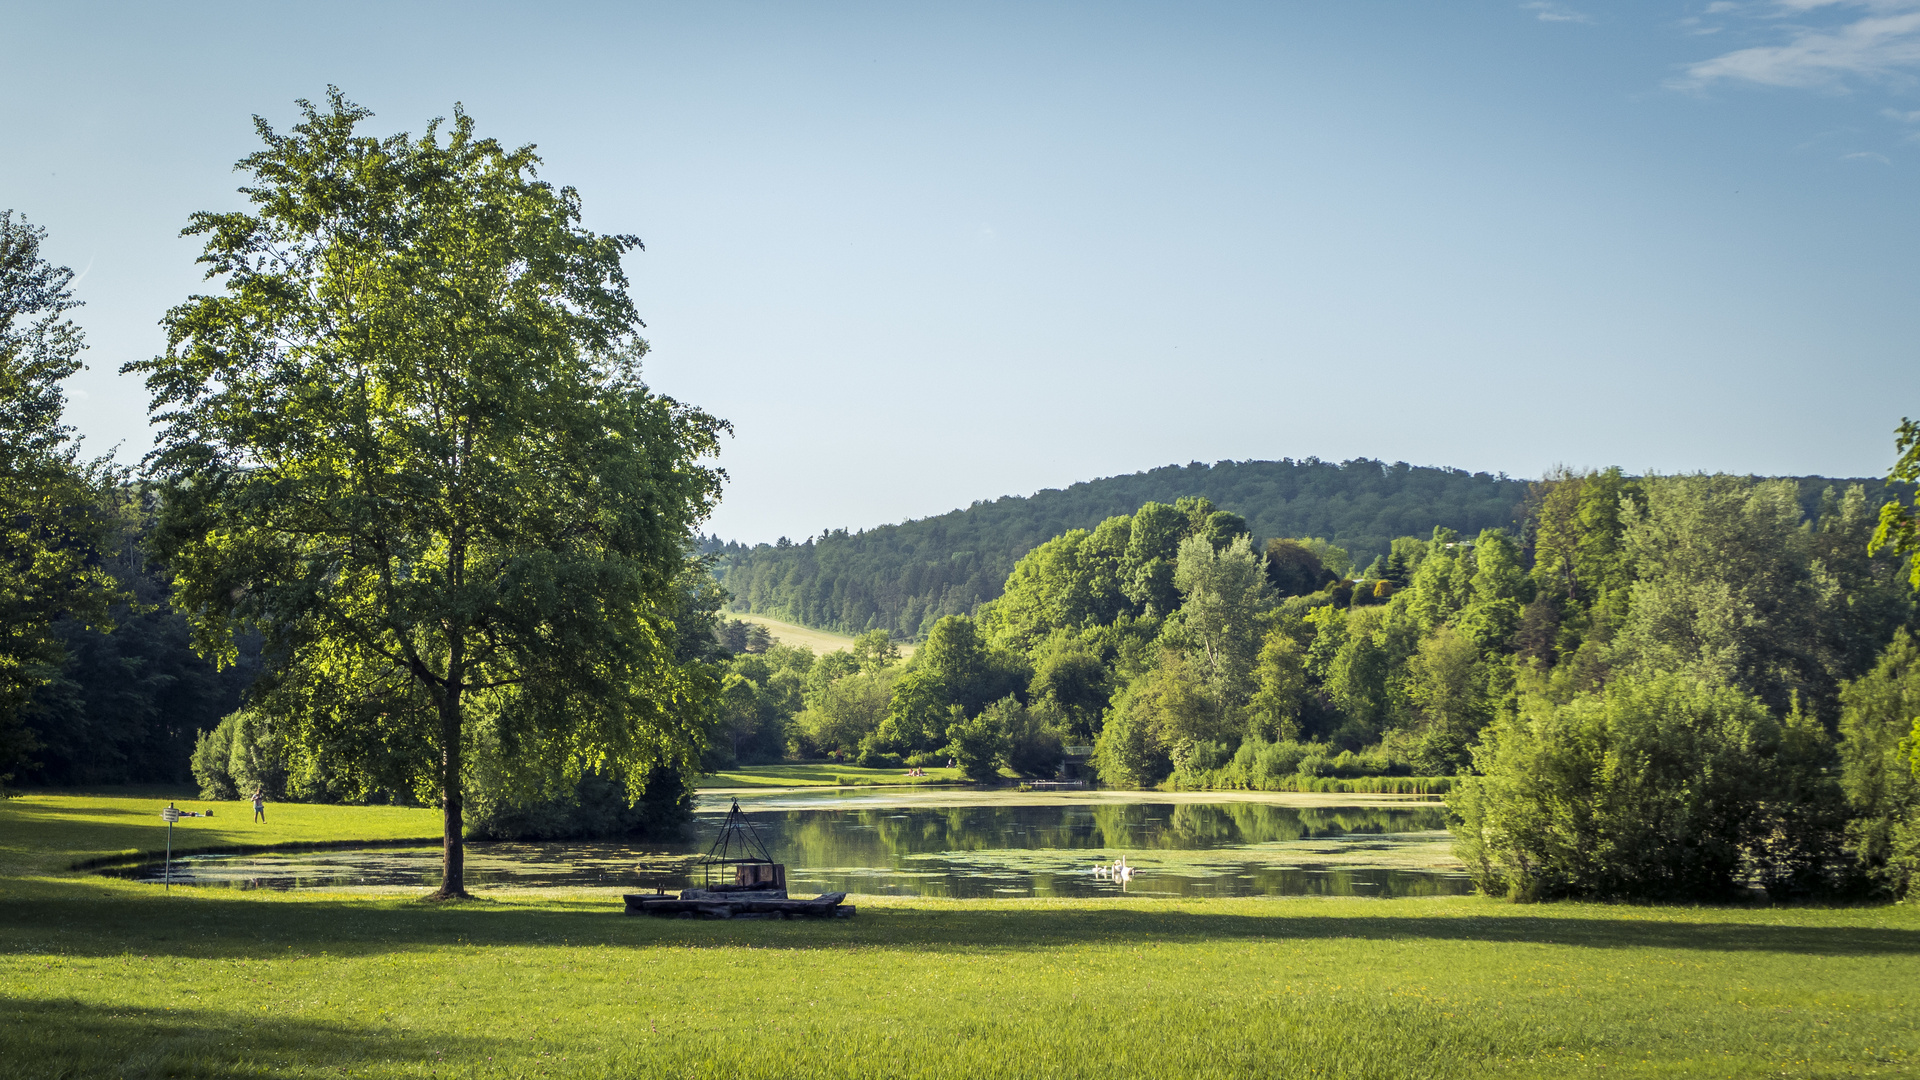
column 51, row 502
column 1900, row 525
column 408, row 441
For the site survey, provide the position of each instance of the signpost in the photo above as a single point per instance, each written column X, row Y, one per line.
column 169, row 814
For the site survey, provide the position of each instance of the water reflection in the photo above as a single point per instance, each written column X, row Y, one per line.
column 1037, row 847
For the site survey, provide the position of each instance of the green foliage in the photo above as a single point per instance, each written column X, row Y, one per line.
column 1294, row 569
column 979, row 742
column 54, row 508
column 1071, row 685
column 408, row 441
column 1655, row 788
column 1879, row 732
column 1223, row 593
column 844, row 714
column 593, row 807
column 1280, row 678
column 904, row 578
column 954, row 669
column 1036, row 744
column 126, row 704
column 240, row 756
column 1899, row 528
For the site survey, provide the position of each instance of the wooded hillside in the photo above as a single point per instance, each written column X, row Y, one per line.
column 902, row 578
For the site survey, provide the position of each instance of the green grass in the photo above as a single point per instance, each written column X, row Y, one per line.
column 822, row 775
column 821, row 642
column 43, row 833
column 109, row 978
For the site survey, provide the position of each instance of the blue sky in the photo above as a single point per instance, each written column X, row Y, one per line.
column 927, row 254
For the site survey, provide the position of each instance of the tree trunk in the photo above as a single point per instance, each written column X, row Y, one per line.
column 453, row 857
column 453, row 852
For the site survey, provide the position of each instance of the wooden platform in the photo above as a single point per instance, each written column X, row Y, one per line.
column 738, row 904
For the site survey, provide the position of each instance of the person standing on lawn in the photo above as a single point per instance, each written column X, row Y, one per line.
column 259, row 805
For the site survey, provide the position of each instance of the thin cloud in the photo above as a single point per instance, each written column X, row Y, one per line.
column 1547, row 11
column 1872, row 39
column 1867, row 155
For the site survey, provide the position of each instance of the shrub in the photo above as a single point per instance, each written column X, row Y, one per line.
column 1656, row 789
column 1035, row 747
column 979, row 743
column 241, row 755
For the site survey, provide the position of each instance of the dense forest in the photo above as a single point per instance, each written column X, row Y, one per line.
column 1651, row 687
column 904, row 578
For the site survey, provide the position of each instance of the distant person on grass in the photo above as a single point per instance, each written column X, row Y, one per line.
column 259, row 805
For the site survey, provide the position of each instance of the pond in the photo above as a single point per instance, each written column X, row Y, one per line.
column 955, row 843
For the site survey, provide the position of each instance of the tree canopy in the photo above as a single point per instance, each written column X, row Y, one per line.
column 408, row 442
column 53, row 513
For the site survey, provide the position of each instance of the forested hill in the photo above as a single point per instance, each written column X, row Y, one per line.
column 904, row 577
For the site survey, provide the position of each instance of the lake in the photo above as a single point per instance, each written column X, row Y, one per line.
column 949, row 843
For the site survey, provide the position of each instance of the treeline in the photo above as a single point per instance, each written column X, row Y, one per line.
column 1652, row 687
column 904, row 578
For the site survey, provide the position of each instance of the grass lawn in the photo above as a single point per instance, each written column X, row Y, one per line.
column 822, row 775
column 43, row 833
column 109, row 978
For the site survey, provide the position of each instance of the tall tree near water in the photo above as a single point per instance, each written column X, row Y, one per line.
column 409, row 441
column 51, row 520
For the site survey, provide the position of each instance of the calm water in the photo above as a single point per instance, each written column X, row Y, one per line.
column 955, row 845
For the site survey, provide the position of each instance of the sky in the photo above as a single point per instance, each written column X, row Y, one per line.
column 926, row 254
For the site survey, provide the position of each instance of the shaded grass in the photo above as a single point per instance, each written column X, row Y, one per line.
column 103, row 977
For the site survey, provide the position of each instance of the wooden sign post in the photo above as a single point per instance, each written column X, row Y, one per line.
column 169, row 814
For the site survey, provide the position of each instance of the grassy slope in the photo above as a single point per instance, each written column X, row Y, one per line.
column 821, row 642
column 109, row 978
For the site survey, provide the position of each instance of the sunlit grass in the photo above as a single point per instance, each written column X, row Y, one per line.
column 821, row 642
column 823, row 774
column 40, row 833
column 106, row 977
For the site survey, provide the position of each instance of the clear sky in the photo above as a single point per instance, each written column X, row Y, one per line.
column 924, row 254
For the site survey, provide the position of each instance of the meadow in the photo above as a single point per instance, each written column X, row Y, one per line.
column 822, row 774
column 821, row 642
column 104, row 977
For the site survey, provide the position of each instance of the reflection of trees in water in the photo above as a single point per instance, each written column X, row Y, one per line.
column 877, row 838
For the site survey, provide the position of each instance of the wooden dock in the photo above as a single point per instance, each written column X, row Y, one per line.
column 738, row 904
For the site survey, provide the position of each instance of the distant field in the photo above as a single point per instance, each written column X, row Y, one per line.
column 820, row 641
column 111, row 978
column 825, row 775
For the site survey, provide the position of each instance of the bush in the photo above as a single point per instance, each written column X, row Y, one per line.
column 1878, row 739
column 979, row 743
column 1035, row 747
column 1653, row 789
column 243, row 754
column 872, row 757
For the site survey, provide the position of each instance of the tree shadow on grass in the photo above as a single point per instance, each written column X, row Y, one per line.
column 52, row 1037
column 82, row 917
